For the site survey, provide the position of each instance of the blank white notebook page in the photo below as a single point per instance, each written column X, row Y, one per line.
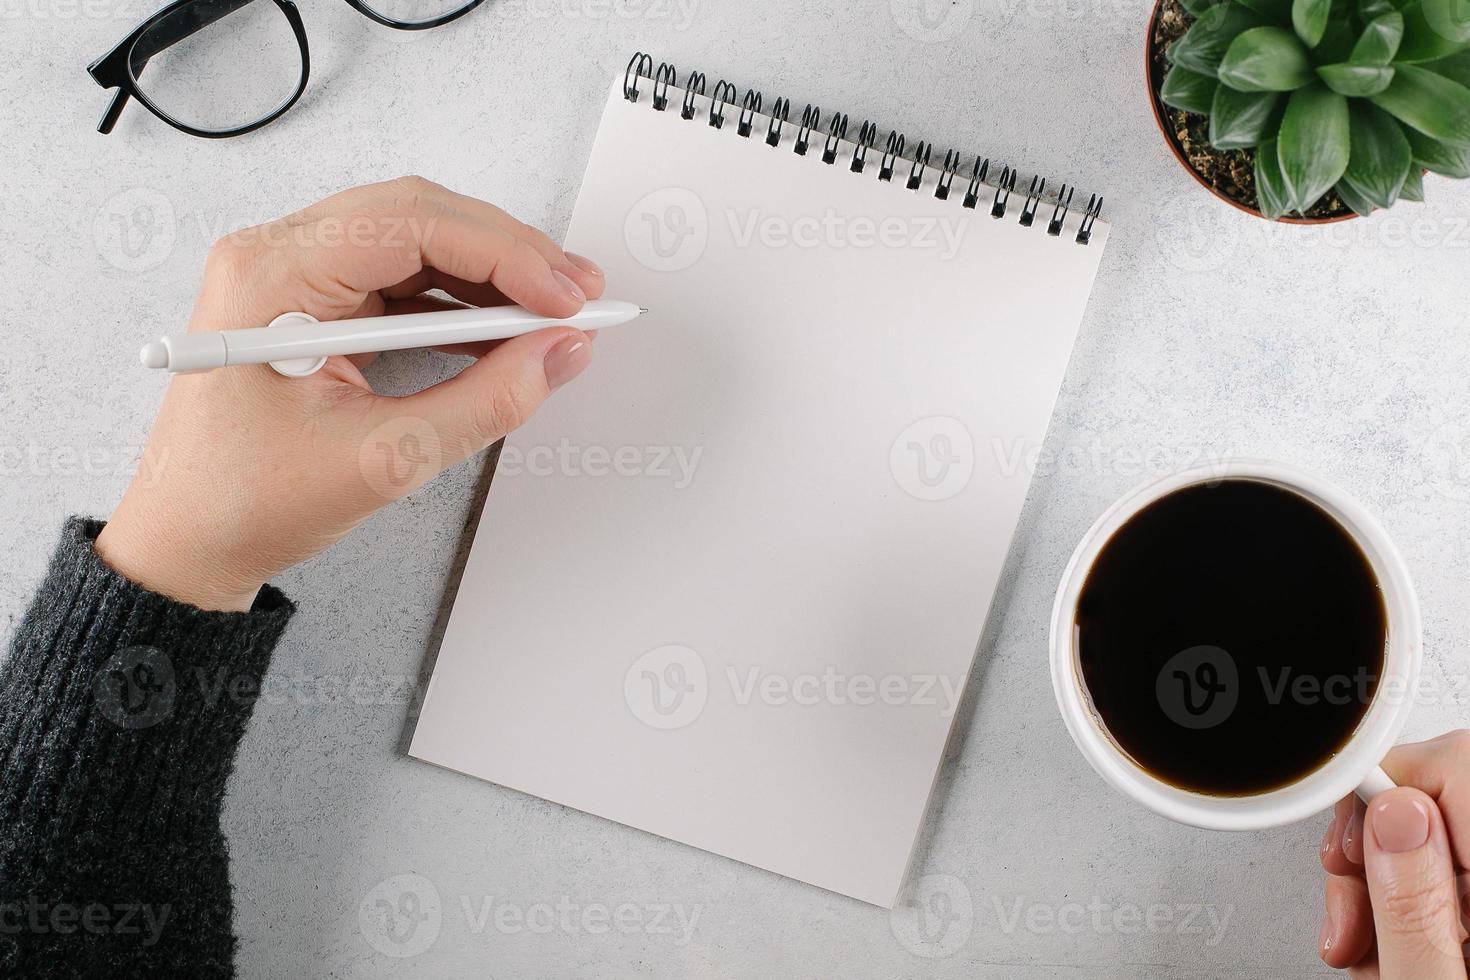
column 728, row 584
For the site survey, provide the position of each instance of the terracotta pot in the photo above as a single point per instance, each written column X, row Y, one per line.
column 1154, row 83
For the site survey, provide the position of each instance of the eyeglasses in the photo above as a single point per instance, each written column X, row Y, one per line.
column 219, row 68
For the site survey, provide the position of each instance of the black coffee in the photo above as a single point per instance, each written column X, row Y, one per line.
column 1231, row 636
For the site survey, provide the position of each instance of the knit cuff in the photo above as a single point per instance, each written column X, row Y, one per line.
column 122, row 704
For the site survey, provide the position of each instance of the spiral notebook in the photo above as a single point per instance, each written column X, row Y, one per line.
column 727, row 586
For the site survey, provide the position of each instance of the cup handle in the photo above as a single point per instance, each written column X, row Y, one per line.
column 1374, row 783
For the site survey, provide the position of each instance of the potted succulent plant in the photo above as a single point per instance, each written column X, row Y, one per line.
column 1313, row 110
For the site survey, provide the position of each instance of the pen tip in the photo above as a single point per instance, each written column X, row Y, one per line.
column 642, row 310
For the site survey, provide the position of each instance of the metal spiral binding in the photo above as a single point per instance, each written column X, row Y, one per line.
column 867, row 136
column 726, row 95
column 667, row 75
column 1094, row 208
column 977, row 180
column 922, row 153
column 779, row 112
column 748, row 110
column 1059, row 213
column 836, row 133
column 641, row 66
column 723, row 98
column 1006, row 185
column 811, row 118
column 1033, row 198
column 946, row 174
column 693, row 87
column 890, row 156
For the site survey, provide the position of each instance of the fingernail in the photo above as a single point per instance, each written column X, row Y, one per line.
column 1324, row 941
column 565, row 281
column 1352, row 837
column 1400, row 824
column 566, row 360
column 584, row 263
column 1329, row 838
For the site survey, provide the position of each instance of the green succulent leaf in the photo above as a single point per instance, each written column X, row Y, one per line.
column 1356, row 81
column 1353, row 199
column 1372, row 9
column 1309, row 19
column 1276, row 11
column 1380, row 40
column 1266, row 59
column 1379, row 157
column 1338, row 41
column 1456, row 67
column 1188, row 90
column 1431, row 154
column 1243, row 119
column 1422, row 41
column 1314, row 144
column 1205, row 43
column 1197, row 7
column 1430, row 103
column 1413, row 185
column 1271, row 197
column 1449, row 18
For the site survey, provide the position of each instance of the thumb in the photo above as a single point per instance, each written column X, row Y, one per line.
column 1411, row 880
column 412, row 439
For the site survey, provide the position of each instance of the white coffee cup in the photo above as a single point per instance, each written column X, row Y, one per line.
column 1355, row 767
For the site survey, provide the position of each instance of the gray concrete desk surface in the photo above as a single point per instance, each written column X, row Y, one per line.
column 1209, row 333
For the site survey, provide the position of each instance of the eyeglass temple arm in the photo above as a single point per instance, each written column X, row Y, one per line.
column 114, row 110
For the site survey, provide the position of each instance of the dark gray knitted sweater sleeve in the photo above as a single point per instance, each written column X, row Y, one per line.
column 120, row 712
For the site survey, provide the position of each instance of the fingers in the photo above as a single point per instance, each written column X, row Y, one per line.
column 1347, row 924
column 442, row 425
column 330, row 259
column 1441, row 768
column 1342, row 845
column 1412, row 886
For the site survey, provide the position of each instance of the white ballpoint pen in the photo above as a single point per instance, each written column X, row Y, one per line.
column 296, row 345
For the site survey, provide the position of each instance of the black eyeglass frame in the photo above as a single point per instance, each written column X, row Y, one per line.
column 114, row 69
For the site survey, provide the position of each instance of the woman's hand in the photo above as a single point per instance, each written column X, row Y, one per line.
column 247, row 473
column 1398, row 892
